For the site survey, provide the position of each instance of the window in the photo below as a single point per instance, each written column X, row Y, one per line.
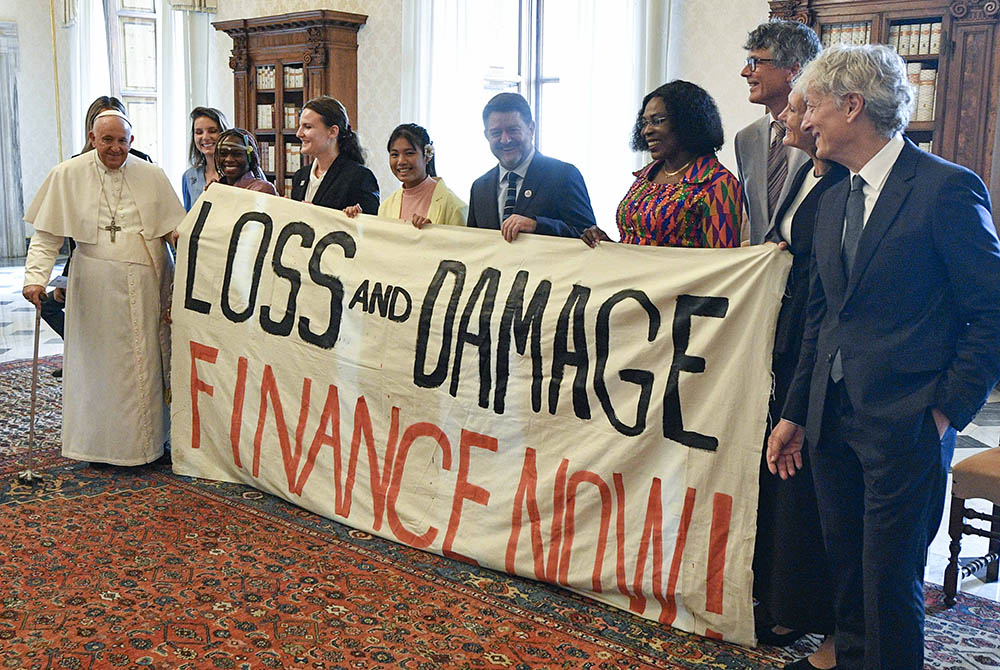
column 133, row 46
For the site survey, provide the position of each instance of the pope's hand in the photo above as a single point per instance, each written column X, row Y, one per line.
column 35, row 294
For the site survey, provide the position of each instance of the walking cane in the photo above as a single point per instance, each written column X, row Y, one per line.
column 29, row 476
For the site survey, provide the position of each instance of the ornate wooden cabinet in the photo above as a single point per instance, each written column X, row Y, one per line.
column 280, row 62
column 965, row 62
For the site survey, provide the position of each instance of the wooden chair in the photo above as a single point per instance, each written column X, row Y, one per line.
column 976, row 477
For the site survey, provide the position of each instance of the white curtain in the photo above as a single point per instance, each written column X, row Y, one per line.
column 90, row 75
column 606, row 56
column 12, row 230
column 185, row 83
column 182, row 49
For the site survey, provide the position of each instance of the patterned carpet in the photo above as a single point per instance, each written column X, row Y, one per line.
column 138, row 568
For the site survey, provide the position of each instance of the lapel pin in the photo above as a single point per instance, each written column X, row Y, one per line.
column 527, row 193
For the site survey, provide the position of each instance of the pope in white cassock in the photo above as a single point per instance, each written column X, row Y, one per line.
column 120, row 210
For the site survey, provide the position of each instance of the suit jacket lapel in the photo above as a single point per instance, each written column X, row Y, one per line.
column 762, row 134
column 530, row 186
column 331, row 176
column 897, row 188
column 492, row 214
column 796, row 159
column 827, row 242
column 792, row 186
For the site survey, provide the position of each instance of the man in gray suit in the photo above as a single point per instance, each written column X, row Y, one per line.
column 777, row 51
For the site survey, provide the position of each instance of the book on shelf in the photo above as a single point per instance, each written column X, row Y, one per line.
column 262, row 156
column 925, row 39
column 265, row 115
column 913, row 76
column 293, row 157
column 903, row 39
column 288, row 187
column 926, row 89
column 291, row 115
column 266, row 156
column 926, row 146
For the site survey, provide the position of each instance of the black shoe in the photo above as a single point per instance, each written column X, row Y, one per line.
column 57, row 373
column 803, row 664
column 770, row 638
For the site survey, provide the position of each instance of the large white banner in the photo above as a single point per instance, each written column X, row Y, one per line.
column 587, row 417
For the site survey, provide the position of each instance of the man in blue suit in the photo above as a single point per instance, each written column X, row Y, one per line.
column 901, row 348
column 527, row 192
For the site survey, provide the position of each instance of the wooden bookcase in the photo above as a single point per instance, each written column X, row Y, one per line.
column 279, row 63
column 964, row 110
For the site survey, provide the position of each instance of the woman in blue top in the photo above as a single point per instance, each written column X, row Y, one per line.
column 207, row 123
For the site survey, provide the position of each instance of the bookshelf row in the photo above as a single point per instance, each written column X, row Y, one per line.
column 266, row 116
column 267, row 76
column 915, row 39
column 908, row 39
column 846, row 33
column 292, row 157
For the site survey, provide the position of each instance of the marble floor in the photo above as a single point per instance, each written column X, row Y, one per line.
column 17, row 317
column 17, row 321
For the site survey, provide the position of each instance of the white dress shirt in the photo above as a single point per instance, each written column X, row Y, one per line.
column 876, row 171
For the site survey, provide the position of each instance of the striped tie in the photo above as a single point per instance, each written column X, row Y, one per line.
column 508, row 204
column 777, row 167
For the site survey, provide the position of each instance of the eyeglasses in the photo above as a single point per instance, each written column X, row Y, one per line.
column 753, row 61
column 232, row 152
column 656, row 121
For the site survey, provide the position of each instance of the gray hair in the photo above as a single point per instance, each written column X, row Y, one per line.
column 875, row 72
column 791, row 42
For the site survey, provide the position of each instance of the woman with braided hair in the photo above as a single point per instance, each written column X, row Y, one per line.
column 337, row 177
column 237, row 160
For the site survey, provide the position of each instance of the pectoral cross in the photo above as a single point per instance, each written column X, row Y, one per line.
column 112, row 228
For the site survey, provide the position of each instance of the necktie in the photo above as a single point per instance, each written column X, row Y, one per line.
column 854, row 222
column 777, row 166
column 854, row 219
column 508, row 203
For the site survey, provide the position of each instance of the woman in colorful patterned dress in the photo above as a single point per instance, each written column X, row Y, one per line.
column 685, row 197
